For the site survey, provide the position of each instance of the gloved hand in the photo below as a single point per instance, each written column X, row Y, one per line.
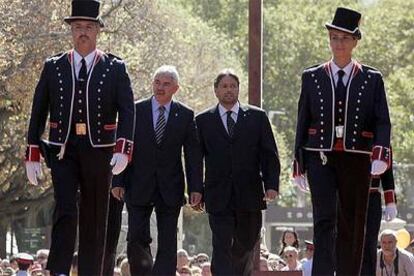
column 33, row 171
column 119, row 162
column 378, row 167
column 390, row 211
column 302, row 183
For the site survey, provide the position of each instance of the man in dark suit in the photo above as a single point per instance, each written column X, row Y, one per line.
column 155, row 177
column 342, row 136
column 88, row 97
column 240, row 156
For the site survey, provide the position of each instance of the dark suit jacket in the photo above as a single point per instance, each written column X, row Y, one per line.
column 160, row 166
column 367, row 122
column 109, row 95
column 236, row 168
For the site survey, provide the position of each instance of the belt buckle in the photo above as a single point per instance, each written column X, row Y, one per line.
column 80, row 129
column 339, row 131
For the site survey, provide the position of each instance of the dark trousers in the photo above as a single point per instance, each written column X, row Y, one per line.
column 235, row 234
column 339, row 191
column 87, row 170
column 373, row 225
column 112, row 234
column 139, row 239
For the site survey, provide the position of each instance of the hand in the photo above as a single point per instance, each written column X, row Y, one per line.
column 118, row 193
column 390, row 211
column 302, row 183
column 270, row 195
column 378, row 167
column 119, row 162
column 195, row 199
column 33, row 171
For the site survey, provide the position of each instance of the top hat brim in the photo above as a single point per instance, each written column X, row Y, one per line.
column 70, row 19
column 356, row 32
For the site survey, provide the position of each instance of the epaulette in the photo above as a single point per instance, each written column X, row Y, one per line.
column 55, row 57
column 114, row 57
column 313, row 67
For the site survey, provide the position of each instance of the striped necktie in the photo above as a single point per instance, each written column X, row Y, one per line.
column 230, row 123
column 160, row 125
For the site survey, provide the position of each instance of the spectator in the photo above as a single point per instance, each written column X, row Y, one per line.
column 308, row 260
column 13, row 263
column 42, row 256
column 4, row 264
column 201, row 258
column 185, row 271
column 392, row 260
column 117, row 271
column 206, row 269
column 182, row 259
column 24, row 262
column 8, row 271
column 290, row 254
column 289, row 238
column 410, row 247
column 195, row 270
column 119, row 259
column 37, row 270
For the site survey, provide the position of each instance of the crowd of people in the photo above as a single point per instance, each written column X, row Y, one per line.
column 294, row 255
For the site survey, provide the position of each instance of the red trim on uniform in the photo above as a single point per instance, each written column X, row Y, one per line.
column 312, row 131
column 381, row 153
column 339, row 145
column 367, row 134
column 359, row 66
column 110, row 126
column 389, row 196
column 32, row 153
column 53, row 124
column 124, row 146
column 327, row 67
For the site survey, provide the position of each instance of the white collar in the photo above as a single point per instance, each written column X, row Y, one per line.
column 77, row 58
column 347, row 69
column 223, row 110
column 156, row 105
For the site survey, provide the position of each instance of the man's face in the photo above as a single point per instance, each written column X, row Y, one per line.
column 84, row 33
column 227, row 91
column 164, row 87
column 342, row 44
column 388, row 245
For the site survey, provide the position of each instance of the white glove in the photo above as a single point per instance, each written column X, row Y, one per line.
column 119, row 162
column 378, row 167
column 33, row 171
column 302, row 183
column 390, row 211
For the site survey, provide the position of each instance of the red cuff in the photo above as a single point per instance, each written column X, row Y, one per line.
column 124, row 146
column 32, row 153
column 389, row 197
column 296, row 169
column 381, row 153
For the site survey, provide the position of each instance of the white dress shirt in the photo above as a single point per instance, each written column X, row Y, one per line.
column 77, row 60
column 347, row 69
column 223, row 114
column 155, row 111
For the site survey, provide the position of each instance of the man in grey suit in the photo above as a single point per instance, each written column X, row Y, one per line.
column 155, row 178
column 241, row 173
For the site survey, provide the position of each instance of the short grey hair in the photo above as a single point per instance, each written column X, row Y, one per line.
column 169, row 70
column 388, row 232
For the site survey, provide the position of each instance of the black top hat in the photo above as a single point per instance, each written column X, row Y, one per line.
column 347, row 21
column 85, row 10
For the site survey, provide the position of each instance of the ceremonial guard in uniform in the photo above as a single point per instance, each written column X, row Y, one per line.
column 88, row 97
column 342, row 137
column 374, row 215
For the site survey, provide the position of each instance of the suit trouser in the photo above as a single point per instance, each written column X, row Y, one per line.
column 112, row 234
column 235, row 234
column 87, row 170
column 373, row 225
column 339, row 191
column 139, row 239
